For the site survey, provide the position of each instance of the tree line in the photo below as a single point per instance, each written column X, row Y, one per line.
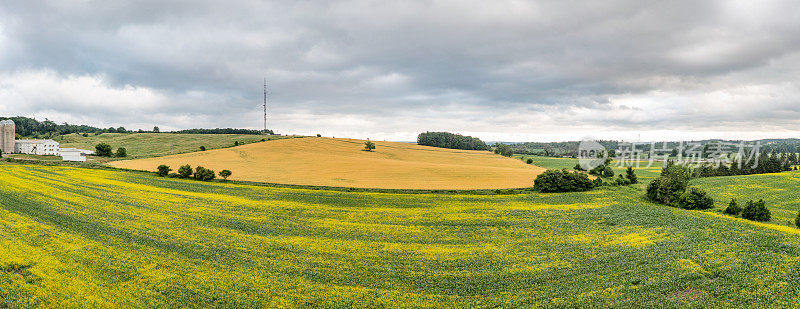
column 186, row 172
column 30, row 127
column 450, row 140
column 766, row 163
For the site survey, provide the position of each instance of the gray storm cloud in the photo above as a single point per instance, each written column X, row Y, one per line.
column 509, row 70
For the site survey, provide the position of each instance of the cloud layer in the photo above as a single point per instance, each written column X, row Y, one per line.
column 501, row 70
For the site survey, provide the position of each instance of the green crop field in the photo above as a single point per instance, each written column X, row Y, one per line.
column 73, row 237
column 146, row 145
column 643, row 171
column 781, row 191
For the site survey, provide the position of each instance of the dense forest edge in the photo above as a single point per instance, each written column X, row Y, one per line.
column 451, row 140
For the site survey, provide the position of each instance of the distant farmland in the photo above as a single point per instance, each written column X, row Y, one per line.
column 343, row 163
column 146, row 145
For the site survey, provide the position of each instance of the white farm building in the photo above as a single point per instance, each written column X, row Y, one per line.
column 45, row 147
column 72, row 154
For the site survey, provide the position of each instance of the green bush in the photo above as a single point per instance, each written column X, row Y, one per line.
column 121, row 152
column 202, row 148
column 163, row 170
column 733, row 209
column 102, row 150
column 562, row 181
column 202, row 173
column 369, row 145
column 529, row 161
column 669, row 187
column 695, row 198
column 622, row 181
column 225, row 174
column 185, row 171
column 632, row 175
column 756, row 211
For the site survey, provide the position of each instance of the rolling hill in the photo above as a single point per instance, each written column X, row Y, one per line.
column 344, row 163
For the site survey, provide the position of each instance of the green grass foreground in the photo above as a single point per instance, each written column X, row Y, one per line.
column 74, row 237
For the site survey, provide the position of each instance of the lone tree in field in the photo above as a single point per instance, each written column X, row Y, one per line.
column 185, row 171
column 202, row 148
column 163, row 170
column 369, row 145
column 121, row 152
column 102, row 150
column 631, row 175
column 225, row 174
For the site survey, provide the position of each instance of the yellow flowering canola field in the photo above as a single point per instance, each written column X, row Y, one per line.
column 344, row 163
column 72, row 237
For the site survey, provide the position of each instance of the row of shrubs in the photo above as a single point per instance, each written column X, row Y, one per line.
column 756, row 211
column 552, row 181
column 186, row 171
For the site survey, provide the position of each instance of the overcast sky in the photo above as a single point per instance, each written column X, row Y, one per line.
column 499, row 70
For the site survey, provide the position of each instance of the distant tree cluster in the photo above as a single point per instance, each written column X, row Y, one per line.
column 767, row 163
column 450, row 140
column 558, row 149
column 186, row 172
column 222, row 131
column 503, row 149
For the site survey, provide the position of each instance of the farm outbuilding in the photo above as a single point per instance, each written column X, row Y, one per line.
column 72, row 154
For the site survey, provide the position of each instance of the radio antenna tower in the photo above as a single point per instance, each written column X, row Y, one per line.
column 265, row 106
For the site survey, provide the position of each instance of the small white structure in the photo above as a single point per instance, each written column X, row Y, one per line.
column 44, row 147
column 73, row 154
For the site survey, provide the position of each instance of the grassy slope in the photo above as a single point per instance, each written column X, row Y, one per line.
column 343, row 163
column 89, row 241
column 781, row 191
column 146, row 145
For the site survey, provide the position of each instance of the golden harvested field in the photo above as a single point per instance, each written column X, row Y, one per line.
column 343, row 163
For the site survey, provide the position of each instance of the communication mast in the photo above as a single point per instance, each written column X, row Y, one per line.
column 265, row 106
